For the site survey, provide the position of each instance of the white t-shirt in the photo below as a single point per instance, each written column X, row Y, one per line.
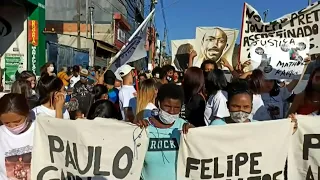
column 127, row 98
column 275, row 105
column 74, row 80
column 15, row 153
column 216, row 107
column 42, row 110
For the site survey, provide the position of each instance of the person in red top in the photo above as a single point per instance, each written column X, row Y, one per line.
column 308, row 101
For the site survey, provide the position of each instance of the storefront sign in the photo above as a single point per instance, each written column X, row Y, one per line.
column 33, row 32
column 33, row 35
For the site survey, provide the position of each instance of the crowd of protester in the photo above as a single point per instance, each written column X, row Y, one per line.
column 164, row 101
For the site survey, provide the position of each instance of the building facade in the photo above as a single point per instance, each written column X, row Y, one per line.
column 112, row 25
column 22, row 43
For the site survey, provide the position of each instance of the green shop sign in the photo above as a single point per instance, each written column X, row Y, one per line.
column 36, row 38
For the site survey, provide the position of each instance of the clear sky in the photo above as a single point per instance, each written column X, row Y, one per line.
column 183, row 16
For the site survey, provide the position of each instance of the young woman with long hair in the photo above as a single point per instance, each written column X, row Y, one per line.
column 52, row 98
column 216, row 106
column 195, row 103
column 146, row 96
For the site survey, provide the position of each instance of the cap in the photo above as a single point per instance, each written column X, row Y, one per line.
column 124, row 70
column 84, row 72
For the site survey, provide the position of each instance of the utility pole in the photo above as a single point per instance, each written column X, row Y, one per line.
column 164, row 44
column 78, row 24
column 91, row 21
column 87, row 17
column 309, row 2
column 150, row 58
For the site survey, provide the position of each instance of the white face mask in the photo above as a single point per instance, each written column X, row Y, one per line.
column 50, row 68
column 239, row 116
column 167, row 118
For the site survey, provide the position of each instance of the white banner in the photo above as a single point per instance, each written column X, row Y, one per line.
column 255, row 150
column 304, row 153
column 180, row 53
column 214, row 43
column 87, row 149
column 279, row 58
column 299, row 24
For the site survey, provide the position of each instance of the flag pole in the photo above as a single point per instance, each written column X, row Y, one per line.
column 131, row 37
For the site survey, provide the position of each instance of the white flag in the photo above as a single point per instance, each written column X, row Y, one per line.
column 135, row 47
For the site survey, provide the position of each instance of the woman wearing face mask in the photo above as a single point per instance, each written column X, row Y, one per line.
column 239, row 104
column 16, row 134
column 308, row 101
column 47, row 69
column 52, row 98
column 165, row 128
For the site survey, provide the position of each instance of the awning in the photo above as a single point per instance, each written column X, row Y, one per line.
column 102, row 46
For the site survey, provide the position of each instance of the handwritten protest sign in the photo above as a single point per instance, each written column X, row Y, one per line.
column 237, row 151
column 299, row 24
column 304, row 153
column 99, row 149
column 280, row 58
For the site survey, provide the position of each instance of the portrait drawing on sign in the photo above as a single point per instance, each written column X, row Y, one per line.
column 215, row 43
column 18, row 167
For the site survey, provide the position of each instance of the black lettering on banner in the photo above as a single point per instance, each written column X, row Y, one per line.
column 45, row 170
column 116, row 170
column 229, row 166
column 190, row 165
column 204, row 168
column 240, row 159
column 56, row 145
column 254, row 162
column 97, row 163
column 60, row 148
column 89, row 161
column 285, row 73
column 163, row 144
column 307, row 144
column 216, row 173
column 68, row 158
